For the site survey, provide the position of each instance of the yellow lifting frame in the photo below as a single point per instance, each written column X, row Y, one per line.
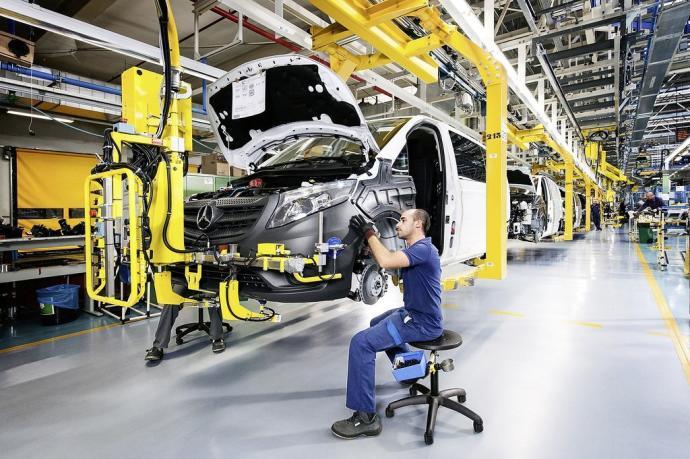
column 134, row 248
column 373, row 23
column 360, row 18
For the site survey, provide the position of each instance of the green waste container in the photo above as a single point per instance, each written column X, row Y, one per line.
column 645, row 232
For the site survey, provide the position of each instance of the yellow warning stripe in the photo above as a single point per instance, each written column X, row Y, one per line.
column 585, row 324
column 57, row 338
column 506, row 313
column 666, row 315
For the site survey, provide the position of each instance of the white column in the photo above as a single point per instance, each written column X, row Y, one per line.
column 540, row 94
column 554, row 113
column 522, row 57
column 489, row 18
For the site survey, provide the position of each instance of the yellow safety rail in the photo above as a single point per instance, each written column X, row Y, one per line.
column 94, row 201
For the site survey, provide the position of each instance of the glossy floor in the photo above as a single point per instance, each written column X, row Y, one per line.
column 569, row 357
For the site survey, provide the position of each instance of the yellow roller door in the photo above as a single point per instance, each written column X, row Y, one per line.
column 50, row 186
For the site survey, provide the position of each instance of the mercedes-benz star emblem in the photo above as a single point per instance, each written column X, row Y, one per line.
column 206, row 217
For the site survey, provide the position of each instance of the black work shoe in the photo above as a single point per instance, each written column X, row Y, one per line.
column 218, row 346
column 357, row 425
column 154, row 354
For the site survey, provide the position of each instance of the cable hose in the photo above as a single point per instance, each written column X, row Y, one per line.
column 167, row 66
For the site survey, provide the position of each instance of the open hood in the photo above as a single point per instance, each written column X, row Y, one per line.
column 268, row 100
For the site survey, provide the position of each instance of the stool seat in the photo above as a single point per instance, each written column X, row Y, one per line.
column 448, row 340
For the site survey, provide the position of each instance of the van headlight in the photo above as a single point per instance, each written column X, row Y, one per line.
column 296, row 204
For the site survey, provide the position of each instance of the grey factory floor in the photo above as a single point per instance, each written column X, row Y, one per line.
column 575, row 354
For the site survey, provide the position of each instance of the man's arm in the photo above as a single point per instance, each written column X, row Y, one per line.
column 384, row 257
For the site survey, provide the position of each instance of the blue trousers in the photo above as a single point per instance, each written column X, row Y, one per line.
column 361, row 369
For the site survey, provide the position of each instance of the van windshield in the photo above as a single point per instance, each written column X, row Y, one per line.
column 384, row 130
column 320, row 151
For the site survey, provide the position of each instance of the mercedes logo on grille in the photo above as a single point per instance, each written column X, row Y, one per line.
column 207, row 216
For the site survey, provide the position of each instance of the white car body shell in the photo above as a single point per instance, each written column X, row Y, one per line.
column 554, row 203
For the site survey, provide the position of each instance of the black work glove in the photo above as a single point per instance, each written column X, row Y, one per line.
column 362, row 227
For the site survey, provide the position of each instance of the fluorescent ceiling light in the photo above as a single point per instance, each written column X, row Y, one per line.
column 41, row 117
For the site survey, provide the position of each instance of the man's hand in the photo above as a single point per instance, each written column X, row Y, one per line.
column 362, row 227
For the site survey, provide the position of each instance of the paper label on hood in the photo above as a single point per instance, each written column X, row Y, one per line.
column 249, row 96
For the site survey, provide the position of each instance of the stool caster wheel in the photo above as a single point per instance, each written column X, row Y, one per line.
column 429, row 438
column 413, row 391
column 478, row 427
column 389, row 412
column 179, row 341
column 462, row 398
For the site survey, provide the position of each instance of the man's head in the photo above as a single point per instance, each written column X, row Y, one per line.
column 413, row 224
column 650, row 196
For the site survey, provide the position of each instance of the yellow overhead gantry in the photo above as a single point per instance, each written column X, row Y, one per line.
column 374, row 24
column 538, row 134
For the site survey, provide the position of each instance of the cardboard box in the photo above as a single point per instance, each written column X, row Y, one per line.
column 237, row 172
column 212, row 164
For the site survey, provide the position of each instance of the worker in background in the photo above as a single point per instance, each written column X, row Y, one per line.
column 623, row 211
column 420, row 319
column 596, row 214
column 652, row 202
column 165, row 325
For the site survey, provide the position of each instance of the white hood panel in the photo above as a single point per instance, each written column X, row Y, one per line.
column 268, row 100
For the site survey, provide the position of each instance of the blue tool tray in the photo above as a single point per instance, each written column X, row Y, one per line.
column 413, row 371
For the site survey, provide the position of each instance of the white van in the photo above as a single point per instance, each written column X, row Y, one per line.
column 326, row 165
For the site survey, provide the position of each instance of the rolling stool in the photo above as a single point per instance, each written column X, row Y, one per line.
column 432, row 397
column 185, row 329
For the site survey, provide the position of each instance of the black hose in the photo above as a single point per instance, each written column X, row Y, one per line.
column 169, row 212
column 167, row 66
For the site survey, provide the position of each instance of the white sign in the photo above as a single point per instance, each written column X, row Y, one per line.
column 249, row 96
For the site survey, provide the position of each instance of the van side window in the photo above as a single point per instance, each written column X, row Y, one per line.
column 469, row 157
column 401, row 165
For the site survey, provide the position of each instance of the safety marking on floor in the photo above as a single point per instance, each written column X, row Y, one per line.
column 451, row 305
column 585, row 324
column 496, row 312
column 669, row 320
column 57, row 338
column 666, row 334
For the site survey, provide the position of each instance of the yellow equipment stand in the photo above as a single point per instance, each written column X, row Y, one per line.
column 139, row 220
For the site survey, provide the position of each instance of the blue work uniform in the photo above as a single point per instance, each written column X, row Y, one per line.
column 420, row 319
column 654, row 204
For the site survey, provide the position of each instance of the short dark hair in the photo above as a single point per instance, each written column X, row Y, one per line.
column 423, row 216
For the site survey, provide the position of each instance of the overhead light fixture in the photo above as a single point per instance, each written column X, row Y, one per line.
column 40, row 117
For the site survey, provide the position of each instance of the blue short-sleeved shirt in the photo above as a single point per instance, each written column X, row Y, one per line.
column 422, row 285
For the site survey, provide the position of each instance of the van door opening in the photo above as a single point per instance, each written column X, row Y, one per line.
column 426, row 170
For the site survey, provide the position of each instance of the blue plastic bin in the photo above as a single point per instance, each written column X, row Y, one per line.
column 413, row 371
column 59, row 303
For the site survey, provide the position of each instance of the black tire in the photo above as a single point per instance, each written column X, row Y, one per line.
column 413, row 391
column 179, row 341
column 429, row 438
column 462, row 398
column 389, row 412
column 478, row 426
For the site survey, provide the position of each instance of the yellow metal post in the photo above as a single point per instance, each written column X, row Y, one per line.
column 496, row 187
column 568, row 227
column 588, row 205
column 496, row 138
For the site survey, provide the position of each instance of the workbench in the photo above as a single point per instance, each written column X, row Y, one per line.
column 72, row 265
